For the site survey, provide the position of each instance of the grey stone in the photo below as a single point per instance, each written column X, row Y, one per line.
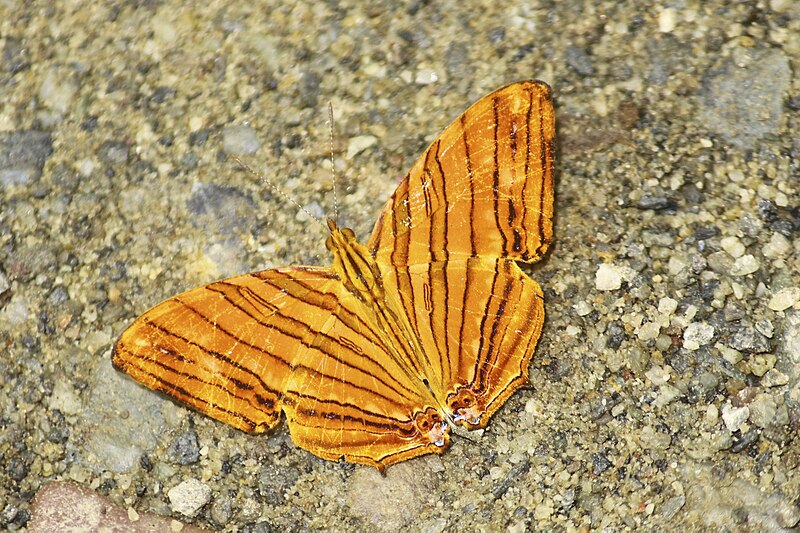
column 226, row 210
column 747, row 339
column 184, row 449
column 763, row 75
column 22, row 156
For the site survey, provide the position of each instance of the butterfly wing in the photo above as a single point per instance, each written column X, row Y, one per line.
column 484, row 187
column 479, row 321
column 297, row 341
column 246, row 348
column 480, row 197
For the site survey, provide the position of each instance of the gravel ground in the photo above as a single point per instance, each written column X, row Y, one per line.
column 666, row 387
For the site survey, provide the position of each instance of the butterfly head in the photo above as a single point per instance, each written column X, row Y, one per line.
column 339, row 237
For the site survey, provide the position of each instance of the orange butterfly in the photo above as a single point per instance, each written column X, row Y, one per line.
column 431, row 324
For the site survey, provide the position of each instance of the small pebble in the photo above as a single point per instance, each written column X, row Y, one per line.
column 672, row 506
column 774, row 378
column 697, row 334
column 22, row 156
column 240, row 140
column 583, row 307
column 667, row 20
column 734, row 417
column 666, row 395
column 600, row 463
column 763, row 410
column 58, row 89
column 184, row 449
column 744, row 265
column 765, row 327
column 712, row 415
column 189, row 496
column 607, row 278
column 733, row 246
column 648, row 331
column 426, row 77
column 667, row 306
column 658, row 375
column 762, row 363
column 652, row 439
column 784, row 299
column 747, row 339
column 4, row 283
column 778, row 246
column 358, row 144
column 677, row 265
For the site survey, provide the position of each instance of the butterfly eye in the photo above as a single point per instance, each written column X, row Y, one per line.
column 348, row 234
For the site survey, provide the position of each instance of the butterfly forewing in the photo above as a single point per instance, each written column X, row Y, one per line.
column 483, row 188
column 220, row 348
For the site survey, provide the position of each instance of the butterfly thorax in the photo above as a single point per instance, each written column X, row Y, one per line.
column 354, row 265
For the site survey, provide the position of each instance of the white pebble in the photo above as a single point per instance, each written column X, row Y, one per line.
column 677, row 265
column 733, row 246
column 784, row 299
column 747, row 264
column 666, row 395
column 729, row 354
column 426, row 77
column 189, row 496
column 734, row 417
column 65, row 398
column 736, row 175
column 778, row 246
column 774, row 378
column 667, row 20
column 241, row 140
column 763, row 409
column 658, row 375
column 607, row 278
column 57, row 90
column 583, row 308
column 648, row 331
column 697, row 334
column 667, row 306
column 712, row 415
column 358, row 144
column 16, row 311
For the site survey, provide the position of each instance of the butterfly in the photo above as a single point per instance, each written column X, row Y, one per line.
column 429, row 326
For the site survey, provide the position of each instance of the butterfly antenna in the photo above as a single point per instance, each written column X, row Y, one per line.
column 277, row 190
column 333, row 166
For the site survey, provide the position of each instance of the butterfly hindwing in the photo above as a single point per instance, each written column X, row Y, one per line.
column 480, row 197
column 478, row 320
